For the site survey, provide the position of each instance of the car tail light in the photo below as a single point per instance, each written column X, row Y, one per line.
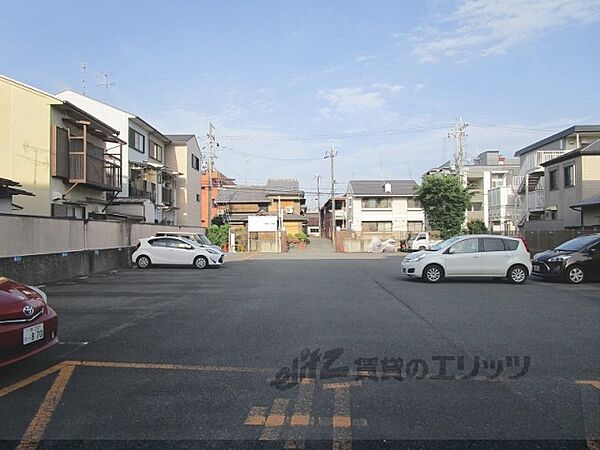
column 524, row 242
column 137, row 246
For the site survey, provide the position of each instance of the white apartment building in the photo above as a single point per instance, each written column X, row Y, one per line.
column 383, row 207
column 153, row 179
column 490, row 179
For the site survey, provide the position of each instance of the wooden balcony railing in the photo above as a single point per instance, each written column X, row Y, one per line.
column 91, row 165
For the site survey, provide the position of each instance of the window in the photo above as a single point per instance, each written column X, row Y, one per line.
column 197, row 197
column 373, row 227
column 176, row 243
column 467, row 246
column 137, row 141
column 68, row 211
column 60, row 155
column 376, row 202
column 156, row 151
column 553, row 179
column 569, row 175
column 413, row 203
column 497, row 180
column 414, row 226
column 195, row 162
column 511, row 244
column 493, row 245
column 158, row 242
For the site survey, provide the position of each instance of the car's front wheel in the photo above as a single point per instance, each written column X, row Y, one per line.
column 143, row 262
column 433, row 273
column 201, row 262
column 517, row 274
column 575, row 275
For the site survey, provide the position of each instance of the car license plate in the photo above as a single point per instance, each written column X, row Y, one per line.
column 536, row 269
column 34, row 333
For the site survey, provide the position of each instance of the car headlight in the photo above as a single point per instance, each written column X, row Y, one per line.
column 559, row 258
column 212, row 250
column 420, row 257
column 41, row 293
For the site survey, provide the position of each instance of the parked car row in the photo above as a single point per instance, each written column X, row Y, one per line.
column 177, row 249
column 28, row 325
column 505, row 257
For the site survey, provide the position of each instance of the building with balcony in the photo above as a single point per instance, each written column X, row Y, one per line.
column 383, row 208
column 69, row 159
column 572, row 188
column 489, row 171
column 146, row 175
column 340, row 215
column 530, row 204
column 181, row 189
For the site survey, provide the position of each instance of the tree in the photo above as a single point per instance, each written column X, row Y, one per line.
column 218, row 235
column 445, row 201
column 476, row 226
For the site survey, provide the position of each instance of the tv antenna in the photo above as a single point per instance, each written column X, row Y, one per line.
column 83, row 76
column 106, row 83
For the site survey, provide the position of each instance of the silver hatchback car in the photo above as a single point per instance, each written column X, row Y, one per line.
column 471, row 256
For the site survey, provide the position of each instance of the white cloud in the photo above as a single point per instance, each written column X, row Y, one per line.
column 352, row 99
column 363, row 57
column 388, row 87
column 487, row 27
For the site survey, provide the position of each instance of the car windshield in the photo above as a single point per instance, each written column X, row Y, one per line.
column 442, row 245
column 574, row 245
column 203, row 239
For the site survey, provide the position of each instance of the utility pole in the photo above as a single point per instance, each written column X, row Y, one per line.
column 211, row 146
column 332, row 153
column 318, row 177
column 459, row 135
column 83, row 75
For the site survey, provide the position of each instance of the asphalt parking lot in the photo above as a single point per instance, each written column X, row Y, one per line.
column 217, row 358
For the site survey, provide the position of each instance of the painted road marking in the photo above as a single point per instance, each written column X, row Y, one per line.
column 37, row 427
column 301, row 416
column 342, row 434
column 589, row 391
column 32, row 379
column 275, row 420
column 594, row 383
column 257, row 416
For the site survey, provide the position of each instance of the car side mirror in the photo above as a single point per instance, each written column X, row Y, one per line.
column 593, row 251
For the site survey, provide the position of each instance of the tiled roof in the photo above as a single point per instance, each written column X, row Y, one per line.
column 590, row 201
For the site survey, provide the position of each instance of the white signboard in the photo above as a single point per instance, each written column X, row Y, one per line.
column 262, row 223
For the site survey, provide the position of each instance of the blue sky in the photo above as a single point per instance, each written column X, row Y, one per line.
column 280, row 80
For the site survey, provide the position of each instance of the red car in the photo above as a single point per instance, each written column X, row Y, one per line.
column 27, row 324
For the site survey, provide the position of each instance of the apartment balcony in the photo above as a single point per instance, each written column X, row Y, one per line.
column 90, row 165
column 142, row 190
column 167, row 196
column 477, row 197
column 475, row 215
column 535, row 201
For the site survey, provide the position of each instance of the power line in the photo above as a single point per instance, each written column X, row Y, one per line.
column 268, row 157
column 332, row 136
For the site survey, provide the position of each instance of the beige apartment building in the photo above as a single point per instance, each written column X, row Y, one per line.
column 183, row 155
column 57, row 152
column 571, row 181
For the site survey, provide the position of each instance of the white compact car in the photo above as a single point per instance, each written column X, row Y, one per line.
column 171, row 250
column 471, row 256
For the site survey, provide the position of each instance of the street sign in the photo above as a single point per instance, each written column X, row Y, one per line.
column 262, row 223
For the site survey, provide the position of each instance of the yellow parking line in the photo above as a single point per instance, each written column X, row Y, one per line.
column 301, row 417
column 131, row 365
column 37, row 427
column 342, row 434
column 256, row 416
column 594, row 383
column 275, row 420
column 32, row 379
